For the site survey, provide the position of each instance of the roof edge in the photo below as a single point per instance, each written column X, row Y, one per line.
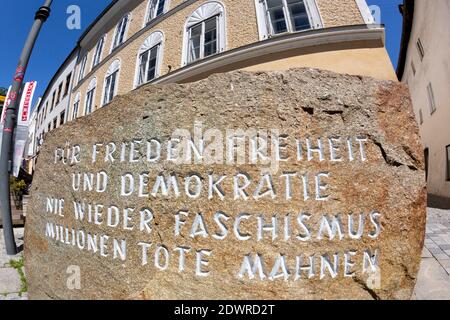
column 407, row 10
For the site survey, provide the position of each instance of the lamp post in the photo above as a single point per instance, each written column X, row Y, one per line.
column 11, row 114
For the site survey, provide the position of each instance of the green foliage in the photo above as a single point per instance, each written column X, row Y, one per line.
column 19, row 265
column 17, row 186
column 3, row 91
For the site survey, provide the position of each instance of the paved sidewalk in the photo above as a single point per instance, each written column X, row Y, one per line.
column 433, row 281
column 10, row 283
column 434, row 276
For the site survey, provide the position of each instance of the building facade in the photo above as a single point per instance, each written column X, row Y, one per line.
column 425, row 66
column 51, row 112
column 136, row 42
column 159, row 41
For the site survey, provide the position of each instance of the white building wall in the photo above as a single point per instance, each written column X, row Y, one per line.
column 431, row 26
column 47, row 114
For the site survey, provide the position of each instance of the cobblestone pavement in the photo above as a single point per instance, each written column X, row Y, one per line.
column 434, row 276
column 433, row 281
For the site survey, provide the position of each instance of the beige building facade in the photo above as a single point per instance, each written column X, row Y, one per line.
column 194, row 39
column 136, row 42
column 425, row 66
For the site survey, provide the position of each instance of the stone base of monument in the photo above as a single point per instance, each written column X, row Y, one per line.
column 301, row 184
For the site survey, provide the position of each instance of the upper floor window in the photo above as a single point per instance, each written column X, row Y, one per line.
column 67, row 87
column 98, row 51
column 121, row 30
column 111, row 80
column 420, row 49
column 59, row 96
column 431, row 100
column 281, row 16
column 156, row 8
column 82, row 68
column 205, row 32
column 90, row 97
column 53, row 101
column 149, row 59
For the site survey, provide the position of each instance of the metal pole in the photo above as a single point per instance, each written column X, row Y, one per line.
column 11, row 114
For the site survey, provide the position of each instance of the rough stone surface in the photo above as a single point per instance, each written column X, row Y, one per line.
column 298, row 103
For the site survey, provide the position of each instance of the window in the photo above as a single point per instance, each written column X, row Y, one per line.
column 420, row 116
column 413, row 68
column 55, row 122
column 58, row 98
column 49, row 128
column 149, row 58
column 82, row 68
column 147, row 65
column 156, row 8
column 121, row 29
column 447, row 151
column 205, row 32
column 90, row 96
column 203, row 40
column 431, row 100
column 98, row 52
column 281, row 16
column 76, row 106
column 67, row 87
column 110, row 89
column 420, row 49
column 426, row 154
column 53, row 100
column 62, row 118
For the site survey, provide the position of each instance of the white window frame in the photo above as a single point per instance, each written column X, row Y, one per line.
column 365, row 12
column 113, row 68
column 82, row 70
column 431, row 98
column 98, row 53
column 148, row 13
column 113, row 44
column 91, row 88
column 265, row 27
column 204, row 12
column 155, row 39
column 76, row 102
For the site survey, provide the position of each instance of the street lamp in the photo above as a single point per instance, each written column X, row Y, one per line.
column 12, row 106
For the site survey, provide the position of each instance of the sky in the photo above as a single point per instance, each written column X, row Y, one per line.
column 56, row 41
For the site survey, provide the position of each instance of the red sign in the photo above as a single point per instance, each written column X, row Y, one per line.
column 27, row 100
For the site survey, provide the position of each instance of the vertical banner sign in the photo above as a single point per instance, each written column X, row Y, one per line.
column 3, row 117
column 21, row 132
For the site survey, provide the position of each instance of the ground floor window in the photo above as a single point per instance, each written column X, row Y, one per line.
column 205, row 33
column 203, row 39
column 76, row 106
column 89, row 101
column 147, row 65
column 283, row 16
column 110, row 86
column 90, row 96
